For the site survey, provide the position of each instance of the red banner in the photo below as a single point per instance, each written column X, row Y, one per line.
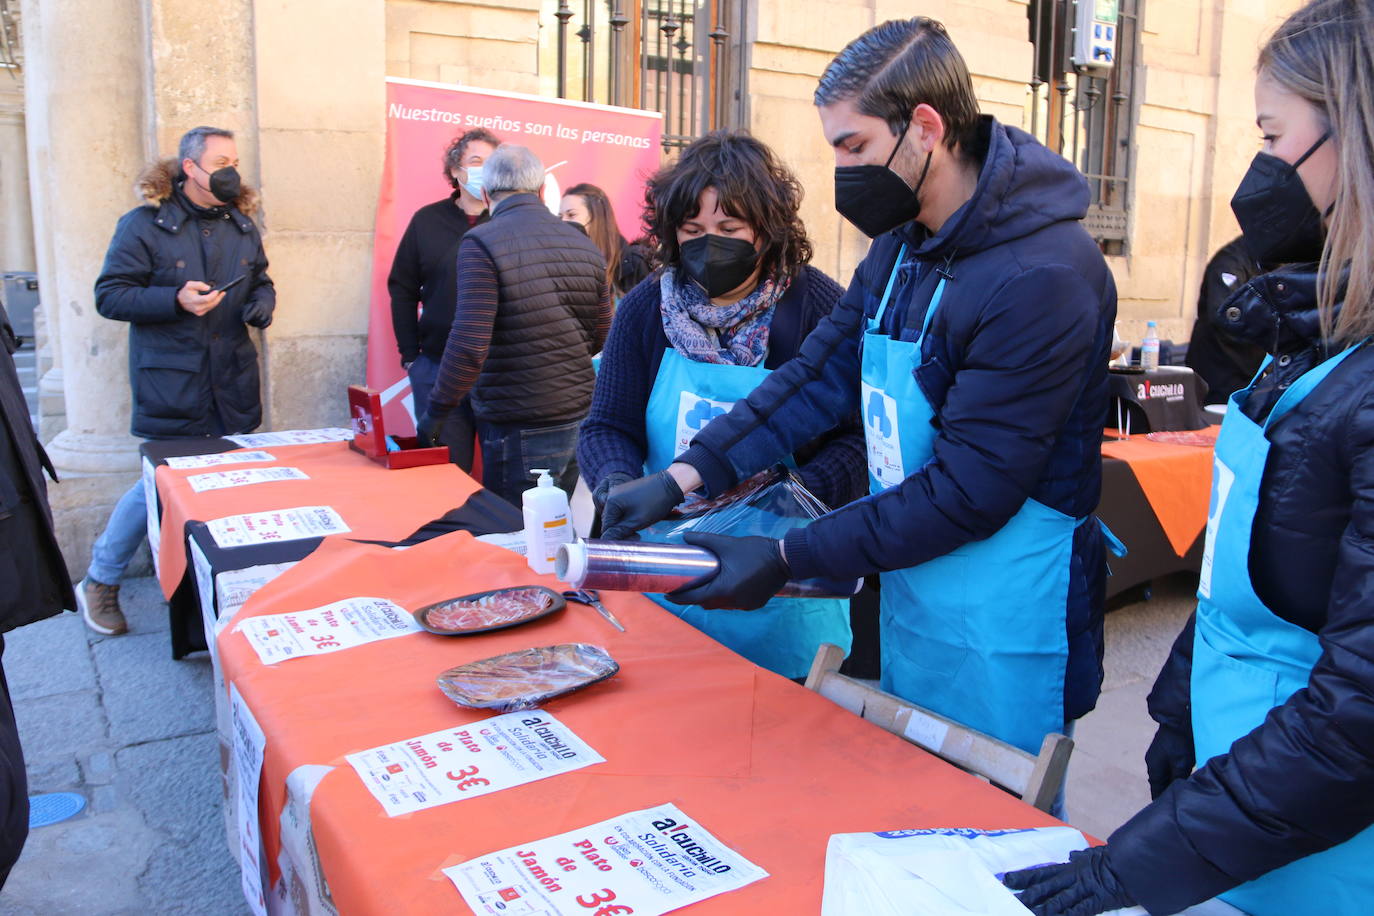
column 613, row 148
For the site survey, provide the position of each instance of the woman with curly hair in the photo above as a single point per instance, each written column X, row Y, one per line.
column 734, row 299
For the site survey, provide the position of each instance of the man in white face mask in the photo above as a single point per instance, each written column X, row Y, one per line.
column 423, row 280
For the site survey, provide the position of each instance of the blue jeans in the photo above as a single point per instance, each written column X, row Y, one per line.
column 423, row 373
column 509, row 452
column 126, row 529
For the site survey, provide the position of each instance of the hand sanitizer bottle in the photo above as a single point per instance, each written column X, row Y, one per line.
column 547, row 521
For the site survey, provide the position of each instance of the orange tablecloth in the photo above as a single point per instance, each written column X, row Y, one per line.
column 768, row 767
column 376, row 504
column 1176, row 479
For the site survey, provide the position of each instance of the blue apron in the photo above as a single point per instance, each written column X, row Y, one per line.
column 979, row 634
column 783, row 635
column 1247, row 660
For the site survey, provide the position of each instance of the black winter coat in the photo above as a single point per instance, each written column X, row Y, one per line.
column 1304, row 780
column 33, row 574
column 191, row 376
column 425, row 270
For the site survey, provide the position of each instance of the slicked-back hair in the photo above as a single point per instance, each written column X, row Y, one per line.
column 890, row 69
column 192, row 144
column 752, row 184
column 458, row 148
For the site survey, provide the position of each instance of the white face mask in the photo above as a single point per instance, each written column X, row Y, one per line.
column 474, row 183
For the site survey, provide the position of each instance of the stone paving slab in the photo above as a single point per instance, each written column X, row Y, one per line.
column 148, row 696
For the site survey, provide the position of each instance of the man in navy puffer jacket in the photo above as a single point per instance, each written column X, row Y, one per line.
column 1013, row 367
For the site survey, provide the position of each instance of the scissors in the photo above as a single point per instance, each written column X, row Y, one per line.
column 592, row 598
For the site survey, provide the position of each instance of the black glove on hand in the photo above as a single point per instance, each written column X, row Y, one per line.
column 1170, row 757
column 430, row 429
column 257, row 313
column 638, row 504
column 603, row 489
column 1083, row 886
column 751, row 572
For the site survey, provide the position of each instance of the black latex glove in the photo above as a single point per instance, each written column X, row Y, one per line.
column 430, row 430
column 257, row 313
column 603, row 489
column 751, row 572
column 1083, row 886
column 1170, row 757
column 638, row 504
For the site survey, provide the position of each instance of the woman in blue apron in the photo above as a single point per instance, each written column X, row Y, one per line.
column 1263, row 766
column 734, row 299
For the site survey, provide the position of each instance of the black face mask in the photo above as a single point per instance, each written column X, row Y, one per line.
column 225, row 183
column 1275, row 212
column 718, row 263
column 876, row 199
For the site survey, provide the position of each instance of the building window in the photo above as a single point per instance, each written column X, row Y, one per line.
column 1088, row 114
column 684, row 58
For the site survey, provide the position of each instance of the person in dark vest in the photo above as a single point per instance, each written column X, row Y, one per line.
column 35, row 578
column 193, row 366
column 533, row 307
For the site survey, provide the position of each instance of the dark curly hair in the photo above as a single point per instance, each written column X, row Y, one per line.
column 458, row 148
column 753, row 185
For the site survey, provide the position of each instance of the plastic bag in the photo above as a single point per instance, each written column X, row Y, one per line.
column 946, row 872
column 519, row 680
column 769, row 504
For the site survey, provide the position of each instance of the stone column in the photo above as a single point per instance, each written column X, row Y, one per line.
column 16, row 219
column 84, row 87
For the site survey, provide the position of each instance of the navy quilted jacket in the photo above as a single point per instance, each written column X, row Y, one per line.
column 1015, row 364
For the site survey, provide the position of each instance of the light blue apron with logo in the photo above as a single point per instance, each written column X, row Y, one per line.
column 979, row 634
column 1247, row 660
column 783, row 635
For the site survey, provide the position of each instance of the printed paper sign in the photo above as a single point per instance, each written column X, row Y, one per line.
column 646, row 862
column 341, row 625
column 218, row 480
column 189, row 462
column 477, row 759
column 234, row 587
column 510, row 540
column 281, row 525
column 246, row 757
column 292, row 437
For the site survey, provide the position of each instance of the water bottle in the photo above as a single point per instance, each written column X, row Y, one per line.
column 1149, row 347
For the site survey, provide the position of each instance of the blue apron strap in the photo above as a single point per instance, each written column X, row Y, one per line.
column 1304, row 385
column 1114, row 543
column 887, row 293
column 930, row 309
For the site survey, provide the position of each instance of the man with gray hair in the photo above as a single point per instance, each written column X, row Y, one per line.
column 187, row 272
column 533, row 307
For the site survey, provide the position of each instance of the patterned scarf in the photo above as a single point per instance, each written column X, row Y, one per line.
column 734, row 334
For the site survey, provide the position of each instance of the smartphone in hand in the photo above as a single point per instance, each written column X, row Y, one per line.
column 226, row 287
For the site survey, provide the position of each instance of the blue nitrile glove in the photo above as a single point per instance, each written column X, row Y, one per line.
column 1083, row 886
column 752, row 569
column 638, row 504
column 430, row 429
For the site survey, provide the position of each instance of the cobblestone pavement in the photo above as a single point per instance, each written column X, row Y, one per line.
column 116, row 719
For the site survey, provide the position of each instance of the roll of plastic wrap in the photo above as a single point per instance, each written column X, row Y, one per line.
column 642, row 566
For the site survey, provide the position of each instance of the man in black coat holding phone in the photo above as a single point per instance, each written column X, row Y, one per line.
column 188, row 273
